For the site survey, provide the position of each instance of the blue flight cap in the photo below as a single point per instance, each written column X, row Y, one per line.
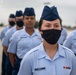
column 50, row 13
column 29, row 12
column 11, row 16
column 19, row 13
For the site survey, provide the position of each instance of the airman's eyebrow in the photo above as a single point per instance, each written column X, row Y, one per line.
column 48, row 23
column 19, row 19
column 56, row 23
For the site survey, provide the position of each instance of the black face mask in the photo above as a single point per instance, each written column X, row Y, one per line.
column 51, row 36
column 12, row 23
column 20, row 23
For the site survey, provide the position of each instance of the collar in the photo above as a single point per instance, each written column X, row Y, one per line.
column 43, row 54
column 36, row 33
column 61, row 51
column 14, row 29
column 23, row 33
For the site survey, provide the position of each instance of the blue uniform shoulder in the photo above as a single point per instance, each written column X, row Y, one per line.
column 68, row 51
column 72, row 33
column 34, row 50
column 19, row 32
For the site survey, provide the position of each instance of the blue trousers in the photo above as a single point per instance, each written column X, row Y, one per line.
column 3, row 63
column 16, row 66
column 8, row 67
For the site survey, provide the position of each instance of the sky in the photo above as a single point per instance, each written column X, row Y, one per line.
column 66, row 9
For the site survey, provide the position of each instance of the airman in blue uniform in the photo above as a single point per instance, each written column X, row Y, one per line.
column 7, row 39
column 5, row 29
column 11, row 21
column 49, row 58
column 70, row 41
column 24, row 40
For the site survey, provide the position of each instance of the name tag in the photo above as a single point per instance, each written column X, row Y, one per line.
column 42, row 68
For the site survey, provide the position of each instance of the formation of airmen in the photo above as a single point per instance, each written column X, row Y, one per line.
column 43, row 51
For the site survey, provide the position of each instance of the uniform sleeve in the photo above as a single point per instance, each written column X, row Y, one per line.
column 13, row 44
column 63, row 36
column 5, row 41
column 68, row 41
column 2, row 34
column 73, row 72
column 25, row 67
column 65, row 31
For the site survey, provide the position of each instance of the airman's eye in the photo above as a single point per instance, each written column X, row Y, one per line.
column 32, row 18
column 47, row 25
column 56, row 25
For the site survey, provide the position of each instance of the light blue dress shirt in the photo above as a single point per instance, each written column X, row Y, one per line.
column 22, row 42
column 70, row 41
column 7, row 39
column 63, row 36
column 37, row 62
column 5, row 29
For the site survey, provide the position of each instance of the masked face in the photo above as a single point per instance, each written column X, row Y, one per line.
column 51, row 36
column 51, row 31
column 12, row 23
column 20, row 23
